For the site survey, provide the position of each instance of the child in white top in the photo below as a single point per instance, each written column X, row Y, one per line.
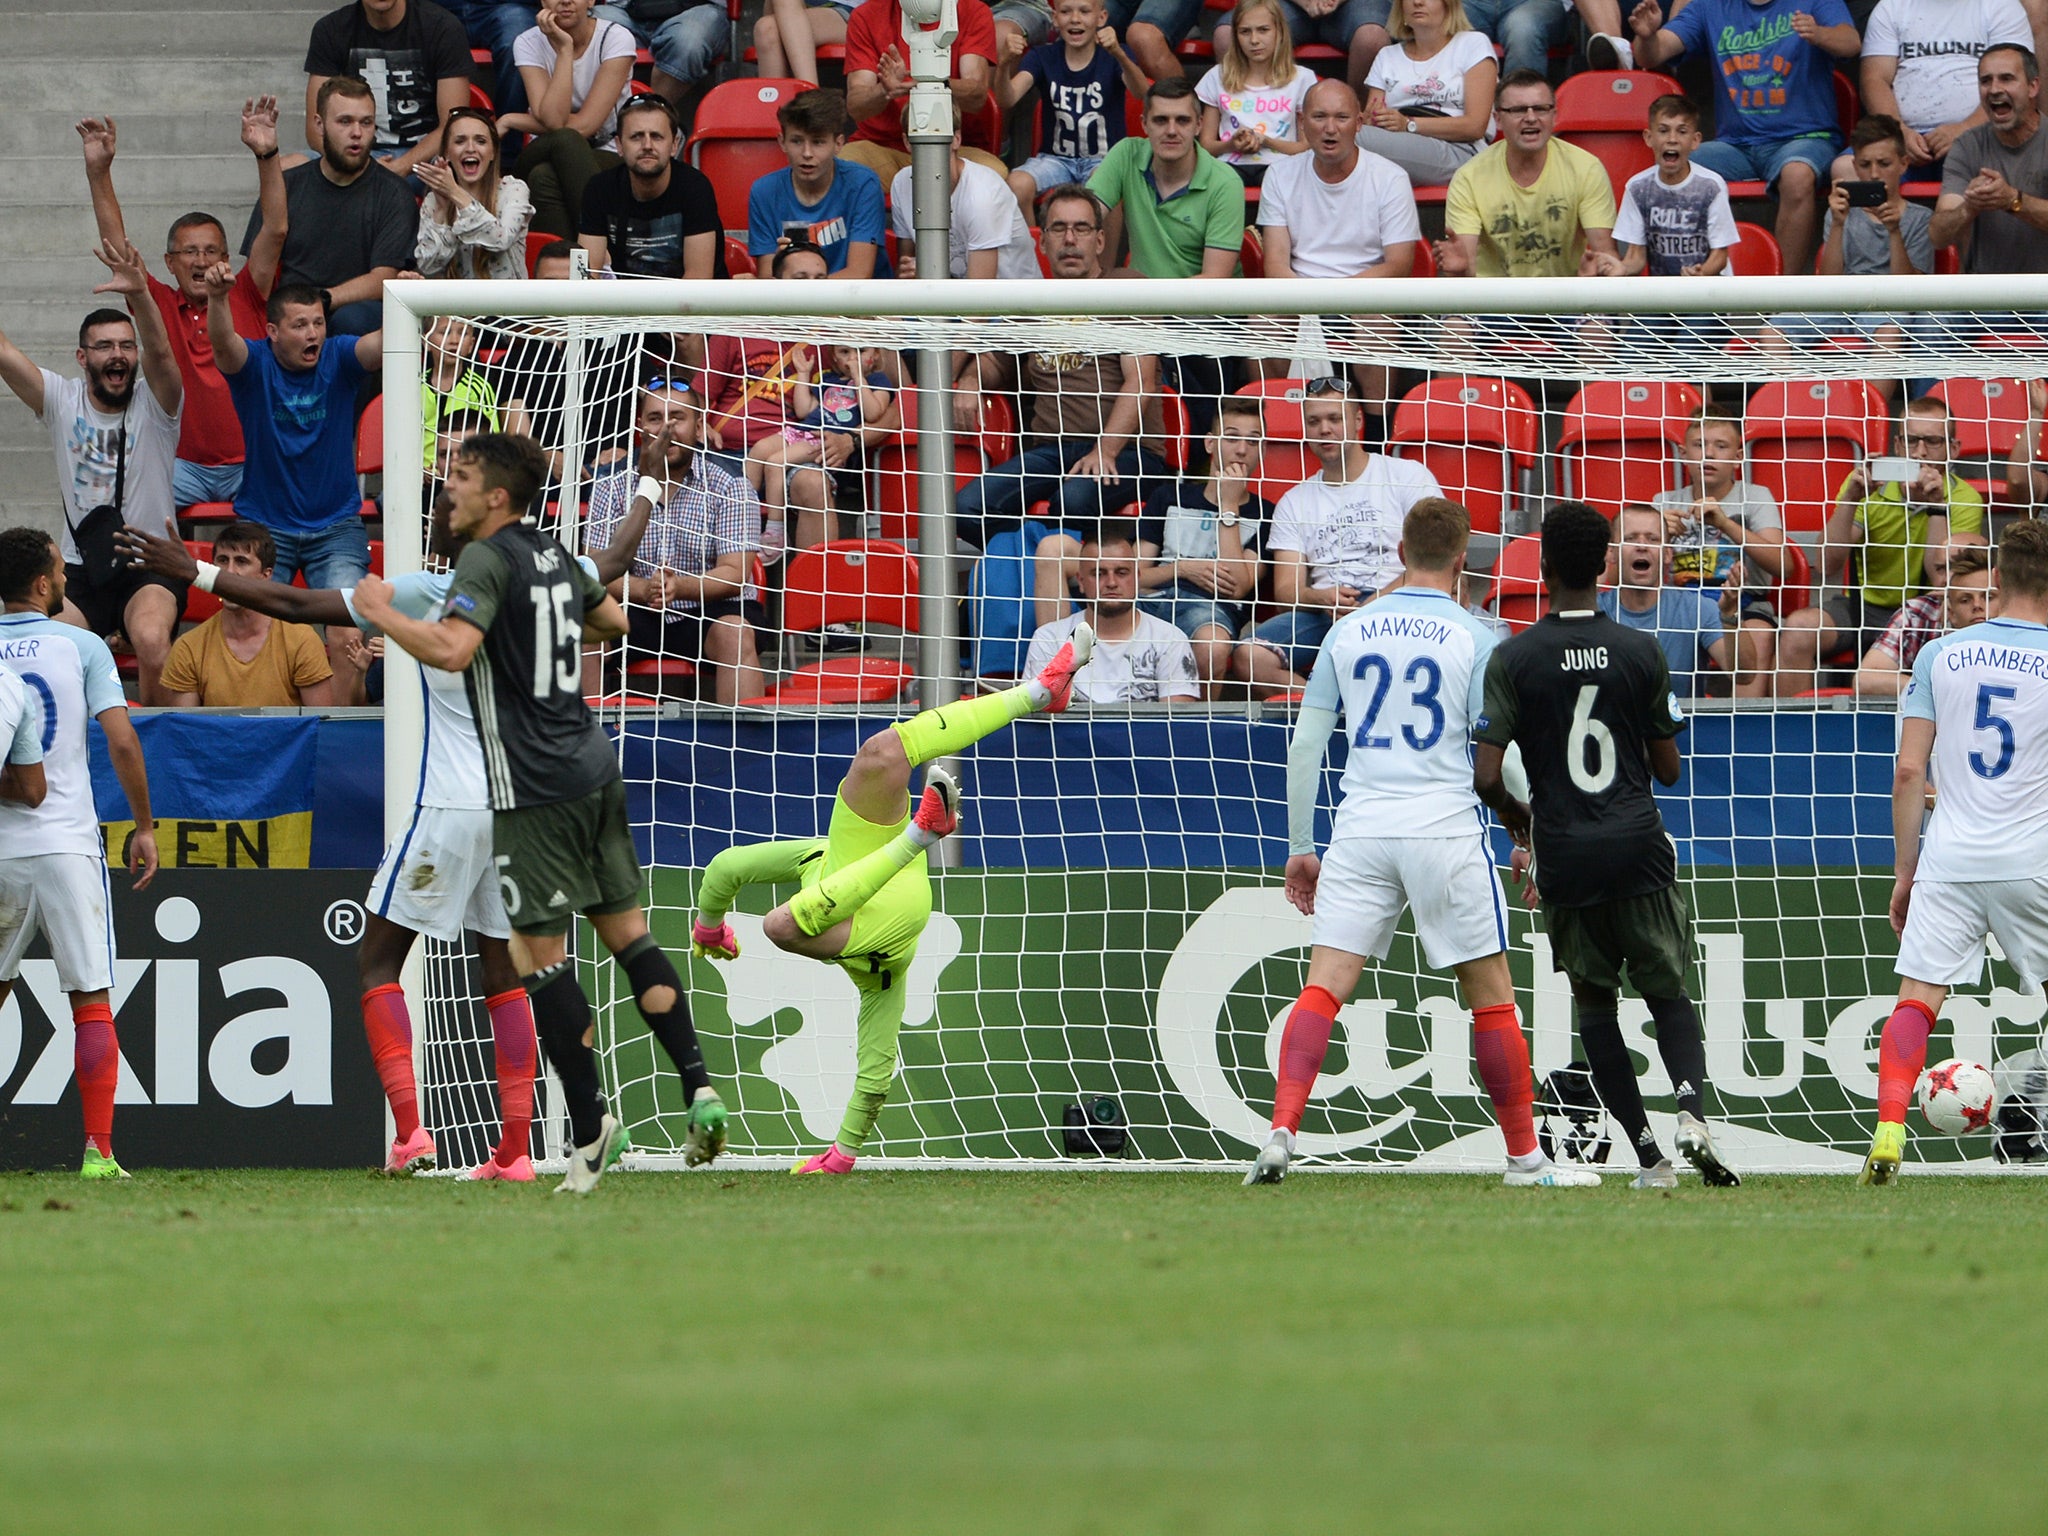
column 1252, row 99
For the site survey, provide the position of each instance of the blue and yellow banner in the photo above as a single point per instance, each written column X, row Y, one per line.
column 228, row 791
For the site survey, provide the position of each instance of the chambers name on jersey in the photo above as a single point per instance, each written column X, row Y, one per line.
column 541, row 743
column 1408, row 673
column 1584, row 697
column 1986, row 690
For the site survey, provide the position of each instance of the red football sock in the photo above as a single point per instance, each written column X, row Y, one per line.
column 1303, row 1045
column 1503, row 1056
column 96, row 1058
column 512, row 1039
column 1901, row 1053
column 389, row 1027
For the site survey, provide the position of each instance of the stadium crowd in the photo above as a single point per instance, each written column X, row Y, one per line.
column 1211, row 515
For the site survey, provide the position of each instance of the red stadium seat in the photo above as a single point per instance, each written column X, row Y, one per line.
column 1604, row 112
column 739, row 261
column 1282, row 399
column 201, row 606
column 1176, row 431
column 1425, row 260
column 1477, row 436
column 208, row 512
column 1803, row 439
column 1251, row 254
column 1620, row 441
column 1284, row 458
column 481, row 99
column 735, row 141
column 1795, row 587
column 538, row 240
column 847, row 581
column 370, row 441
column 1756, row 254
column 1518, row 582
column 895, row 461
column 1988, row 416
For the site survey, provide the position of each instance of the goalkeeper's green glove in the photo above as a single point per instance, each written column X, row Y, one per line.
column 709, row 943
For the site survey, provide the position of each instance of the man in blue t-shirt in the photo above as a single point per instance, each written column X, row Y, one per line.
column 295, row 395
column 1685, row 621
column 1777, row 118
column 835, row 204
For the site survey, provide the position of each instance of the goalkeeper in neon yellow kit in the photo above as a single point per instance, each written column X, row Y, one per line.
column 866, row 895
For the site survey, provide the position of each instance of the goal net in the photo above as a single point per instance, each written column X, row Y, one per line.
column 1111, row 958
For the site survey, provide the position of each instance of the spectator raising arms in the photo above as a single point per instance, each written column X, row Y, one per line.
column 989, row 235
column 819, row 199
column 415, row 56
column 1429, row 102
column 1530, row 205
column 353, row 223
column 578, row 72
column 474, row 219
column 1081, row 77
column 242, row 659
column 115, row 445
column 295, row 391
column 1777, row 121
column 209, row 437
column 654, row 216
column 1994, row 185
column 686, row 37
column 1253, row 95
column 878, row 84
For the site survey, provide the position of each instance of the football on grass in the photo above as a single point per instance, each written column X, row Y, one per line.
column 1957, row 1097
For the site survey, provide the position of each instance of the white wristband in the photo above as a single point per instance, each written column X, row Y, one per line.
column 207, row 572
column 650, row 491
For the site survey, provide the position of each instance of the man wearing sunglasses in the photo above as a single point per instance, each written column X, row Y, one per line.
column 1335, row 540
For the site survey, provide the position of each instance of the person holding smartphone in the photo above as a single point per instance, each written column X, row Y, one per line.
column 1892, row 519
column 818, row 199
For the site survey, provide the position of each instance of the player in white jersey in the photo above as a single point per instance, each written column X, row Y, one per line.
column 21, row 744
column 1407, row 672
column 438, row 877
column 53, row 865
column 1977, row 710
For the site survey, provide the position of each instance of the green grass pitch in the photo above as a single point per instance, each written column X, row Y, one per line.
column 1047, row 1353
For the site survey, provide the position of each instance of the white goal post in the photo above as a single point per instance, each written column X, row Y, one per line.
column 1114, row 929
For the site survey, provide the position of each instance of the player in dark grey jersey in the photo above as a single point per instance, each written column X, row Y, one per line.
column 1589, row 704
column 515, row 622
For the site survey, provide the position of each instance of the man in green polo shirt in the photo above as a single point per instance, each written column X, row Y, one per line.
column 1895, row 535
column 1181, row 208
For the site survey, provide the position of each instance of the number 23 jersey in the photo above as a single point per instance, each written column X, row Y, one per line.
column 541, row 743
column 1584, row 697
column 1986, row 690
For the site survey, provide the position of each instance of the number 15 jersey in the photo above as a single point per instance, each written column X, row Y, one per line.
column 1986, row 690
column 541, row 743
column 1584, row 697
column 1407, row 672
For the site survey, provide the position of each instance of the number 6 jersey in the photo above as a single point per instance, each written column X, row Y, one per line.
column 1584, row 697
column 1986, row 690
column 541, row 743
column 1406, row 671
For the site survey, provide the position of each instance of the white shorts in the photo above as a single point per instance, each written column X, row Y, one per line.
column 438, row 877
column 1943, row 944
column 65, row 897
column 1449, row 883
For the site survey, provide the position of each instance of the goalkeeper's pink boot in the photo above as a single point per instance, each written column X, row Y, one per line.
column 1058, row 677
column 938, row 811
column 831, row 1160
column 416, row 1151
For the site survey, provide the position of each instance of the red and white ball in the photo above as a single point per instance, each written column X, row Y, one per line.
column 1957, row 1097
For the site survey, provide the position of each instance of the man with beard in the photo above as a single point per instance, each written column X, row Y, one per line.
column 1994, row 186
column 412, row 52
column 654, row 216
column 115, row 446
column 209, row 464
column 353, row 223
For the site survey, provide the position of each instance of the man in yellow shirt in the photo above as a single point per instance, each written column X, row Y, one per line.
column 1529, row 205
column 240, row 658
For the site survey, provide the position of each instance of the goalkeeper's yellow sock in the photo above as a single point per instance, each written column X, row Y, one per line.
column 844, row 892
column 943, row 731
